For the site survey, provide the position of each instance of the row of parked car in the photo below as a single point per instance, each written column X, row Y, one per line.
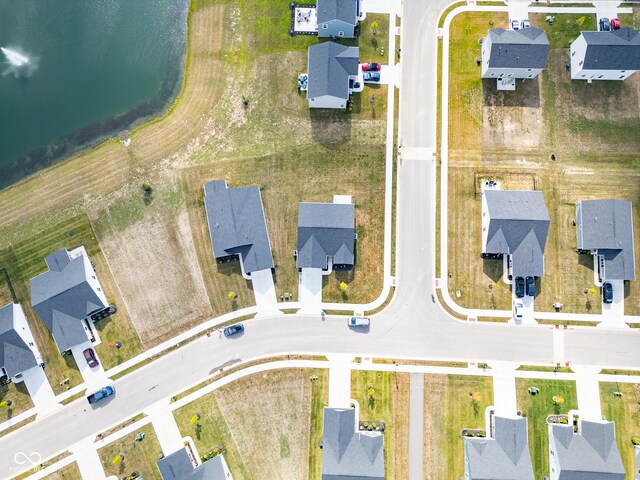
column 607, row 25
column 522, row 285
column 516, row 25
column 371, row 72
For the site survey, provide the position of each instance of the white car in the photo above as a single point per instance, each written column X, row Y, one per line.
column 518, row 310
column 525, row 23
column 515, row 25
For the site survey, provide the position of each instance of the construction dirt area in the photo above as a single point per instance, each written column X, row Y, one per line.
column 571, row 140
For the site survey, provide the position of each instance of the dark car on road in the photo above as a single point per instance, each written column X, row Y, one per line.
column 370, row 67
column 371, row 76
column 604, row 24
column 102, row 393
column 233, row 329
column 90, row 357
column 531, row 286
column 607, row 293
column 519, row 287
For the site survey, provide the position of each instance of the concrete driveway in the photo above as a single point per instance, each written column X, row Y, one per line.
column 310, row 290
column 96, row 377
column 607, row 9
column 613, row 313
column 40, row 390
column 518, row 10
column 265, row 292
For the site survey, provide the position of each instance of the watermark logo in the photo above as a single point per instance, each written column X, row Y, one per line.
column 34, row 459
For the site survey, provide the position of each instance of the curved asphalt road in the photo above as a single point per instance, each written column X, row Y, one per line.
column 412, row 326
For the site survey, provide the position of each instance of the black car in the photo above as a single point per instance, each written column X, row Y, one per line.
column 605, row 26
column 607, row 293
column 519, row 287
column 233, row 329
column 531, row 286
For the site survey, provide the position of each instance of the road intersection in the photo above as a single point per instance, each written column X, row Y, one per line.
column 412, row 326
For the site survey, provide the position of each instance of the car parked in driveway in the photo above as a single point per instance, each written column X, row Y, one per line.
column 515, row 25
column 233, row 329
column 607, row 292
column 371, row 76
column 359, row 322
column 525, row 23
column 370, row 67
column 518, row 310
column 615, row 24
column 531, row 286
column 604, row 24
column 519, row 287
column 90, row 357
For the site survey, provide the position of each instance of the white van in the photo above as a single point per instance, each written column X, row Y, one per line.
column 518, row 309
column 359, row 322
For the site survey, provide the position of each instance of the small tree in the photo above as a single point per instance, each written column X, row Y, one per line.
column 117, row 460
column 232, row 295
column 343, row 286
column 475, row 402
column 374, row 28
column 195, row 419
column 6, row 403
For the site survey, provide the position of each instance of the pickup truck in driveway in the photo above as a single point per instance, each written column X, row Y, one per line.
column 100, row 394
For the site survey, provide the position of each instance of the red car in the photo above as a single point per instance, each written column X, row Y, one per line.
column 90, row 357
column 615, row 24
column 370, row 67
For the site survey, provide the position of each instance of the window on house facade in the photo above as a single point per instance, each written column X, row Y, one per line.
column 600, row 76
column 573, row 54
column 325, row 26
column 581, row 62
column 621, row 77
column 341, row 34
column 531, row 75
column 529, row 70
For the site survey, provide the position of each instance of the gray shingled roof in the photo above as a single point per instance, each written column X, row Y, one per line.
column 347, row 454
column 62, row 298
column 178, row 466
column 344, row 10
column 506, row 456
column 325, row 230
column 613, row 50
column 518, row 225
column 524, row 48
column 607, row 227
column 592, row 454
column 237, row 224
column 330, row 66
column 15, row 354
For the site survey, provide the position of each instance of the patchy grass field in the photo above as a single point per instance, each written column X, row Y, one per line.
column 70, row 472
column 266, row 415
column 141, row 456
column 509, row 136
column 24, row 259
column 536, row 408
column 449, row 408
column 18, row 394
column 625, row 412
column 390, row 404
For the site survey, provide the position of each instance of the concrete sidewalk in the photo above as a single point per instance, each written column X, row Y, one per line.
column 416, row 426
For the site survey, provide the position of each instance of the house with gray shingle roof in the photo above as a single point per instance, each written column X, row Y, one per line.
column 613, row 55
column 332, row 71
column 326, row 235
column 18, row 351
column 589, row 454
column 348, row 454
column 515, row 224
column 178, row 466
column 65, row 297
column 337, row 18
column 505, row 455
column 511, row 54
column 237, row 226
column 605, row 228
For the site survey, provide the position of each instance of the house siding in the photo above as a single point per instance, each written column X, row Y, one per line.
column 327, row 101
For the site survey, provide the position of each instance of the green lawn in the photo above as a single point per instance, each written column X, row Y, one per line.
column 449, row 408
column 536, row 408
column 319, row 398
column 566, row 27
column 625, row 412
column 70, row 472
column 18, row 394
column 141, row 456
column 389, row 403
column 24, row 259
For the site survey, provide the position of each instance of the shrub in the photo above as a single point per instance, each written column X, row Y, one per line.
column 635, row 440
